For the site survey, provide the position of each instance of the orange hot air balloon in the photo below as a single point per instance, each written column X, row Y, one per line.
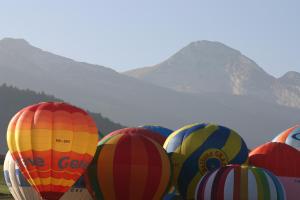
column 53, row 143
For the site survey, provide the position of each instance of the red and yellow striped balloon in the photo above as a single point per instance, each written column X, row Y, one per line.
column 157, row 137
column 53, row 144
column 129, row 167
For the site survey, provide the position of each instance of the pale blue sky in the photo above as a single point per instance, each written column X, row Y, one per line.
column 134, row 33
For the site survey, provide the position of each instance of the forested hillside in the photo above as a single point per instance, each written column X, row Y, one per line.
column 13, row 99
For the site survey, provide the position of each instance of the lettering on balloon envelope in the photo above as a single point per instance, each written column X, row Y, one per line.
column 211, row 160
column 63, row 163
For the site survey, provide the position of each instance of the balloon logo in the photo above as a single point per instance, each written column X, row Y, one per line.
column 53, row 144
column 291, row 137
column 211, row 160
column 296, row 136
column 21, row 189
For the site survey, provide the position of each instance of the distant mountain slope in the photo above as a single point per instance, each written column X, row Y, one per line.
column 289, row 89
column 119, row 97
column 291, row 78
column 13, row 99
column 134, row 102
column 212, row 67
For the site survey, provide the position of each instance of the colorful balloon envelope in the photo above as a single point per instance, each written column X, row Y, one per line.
column 53, row 144
column 129, row 167
column 241, row 183
column 282, row 160
column 140, row 131
column 16, row 182
column 165, row 132
column 22, row 190
column 290, row 137
column 77, row 192
column 198, row 148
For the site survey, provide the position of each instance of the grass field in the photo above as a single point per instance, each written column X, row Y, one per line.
column 4, row 192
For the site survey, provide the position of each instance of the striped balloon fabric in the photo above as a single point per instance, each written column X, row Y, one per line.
column 140, row 131
column 127, row 167
column 290, row 137
column 198, row 148
column 53, row 144
column 237, row 182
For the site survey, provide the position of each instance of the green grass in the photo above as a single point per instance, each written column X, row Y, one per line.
column 4, row 192
column 3, row 186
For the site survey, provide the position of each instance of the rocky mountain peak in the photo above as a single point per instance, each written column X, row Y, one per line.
column 207, row 67
column 291, row 77
column 207, row 45
column 204, row 52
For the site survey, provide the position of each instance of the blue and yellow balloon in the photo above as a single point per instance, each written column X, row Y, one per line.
column 201, row 147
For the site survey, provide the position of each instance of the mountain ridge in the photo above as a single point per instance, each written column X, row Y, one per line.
column 213, row 67
column 291, row 77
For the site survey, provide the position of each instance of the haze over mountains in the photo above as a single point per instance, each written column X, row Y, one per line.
column 205, row 81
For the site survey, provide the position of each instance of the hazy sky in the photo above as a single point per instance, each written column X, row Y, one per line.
column 134, row 33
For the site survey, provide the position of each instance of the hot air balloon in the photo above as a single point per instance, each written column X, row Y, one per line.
column 239, row 182
column 22, row 190
column 17, row 184
column 141, row 131
column 129, row 166
column 283, row 161
column 165, row 132
column 53, row 144
column 158, row 129
column 290, row 136
column 77, row 192
column 198, row 148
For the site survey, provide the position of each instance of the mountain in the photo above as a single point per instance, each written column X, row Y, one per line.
column 291, row 78
column 289, row 89
column 212, row 67
column 119, row 97
column 133, row 102
column 13, row 99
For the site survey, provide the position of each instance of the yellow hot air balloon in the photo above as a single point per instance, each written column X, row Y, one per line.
column 53, row 143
